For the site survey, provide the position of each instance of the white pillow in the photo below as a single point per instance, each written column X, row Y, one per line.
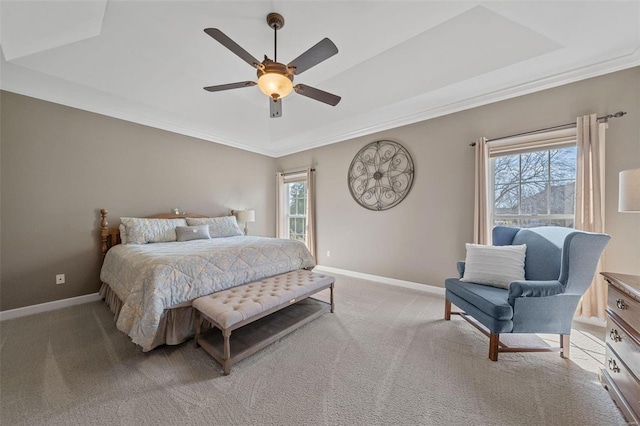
column 224, row 226
column 145, row 230
column 496, row 266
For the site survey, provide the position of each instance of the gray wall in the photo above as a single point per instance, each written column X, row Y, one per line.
column 421, row 238
column 61, row 165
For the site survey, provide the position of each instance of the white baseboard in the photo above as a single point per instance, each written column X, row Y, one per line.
column 48, row 306
column 93, row 297
column 425, row 287
column 391, row 281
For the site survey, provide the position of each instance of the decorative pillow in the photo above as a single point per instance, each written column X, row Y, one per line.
column 496, row 266
column 188, row 233
column 143, row 230
column 123, row 234
column 225, row 226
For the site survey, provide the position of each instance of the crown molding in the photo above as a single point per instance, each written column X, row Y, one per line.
column 560, row 79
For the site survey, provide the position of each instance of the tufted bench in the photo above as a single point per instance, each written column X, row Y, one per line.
column 248, row 308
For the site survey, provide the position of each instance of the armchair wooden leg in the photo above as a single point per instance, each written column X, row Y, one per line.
column 565, row 346
column 447, row 310
column 494, row 340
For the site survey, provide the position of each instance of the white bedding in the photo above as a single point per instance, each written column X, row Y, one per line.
column 150, row 278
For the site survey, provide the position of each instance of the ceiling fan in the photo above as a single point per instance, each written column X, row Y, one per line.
column 274, row 78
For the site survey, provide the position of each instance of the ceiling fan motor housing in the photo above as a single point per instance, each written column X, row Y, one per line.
column 275, row 67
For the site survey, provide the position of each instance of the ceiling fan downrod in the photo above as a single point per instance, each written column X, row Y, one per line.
column 275, row 21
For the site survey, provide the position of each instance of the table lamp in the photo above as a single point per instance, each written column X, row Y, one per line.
column 246, row 216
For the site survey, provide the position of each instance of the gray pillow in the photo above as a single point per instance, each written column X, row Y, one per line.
column 224, row 226
column 188, row 233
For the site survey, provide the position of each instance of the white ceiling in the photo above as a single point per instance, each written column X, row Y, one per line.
column 398, row 62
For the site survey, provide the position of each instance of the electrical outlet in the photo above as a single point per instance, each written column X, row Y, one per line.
column 328, row 253
column 60, row 279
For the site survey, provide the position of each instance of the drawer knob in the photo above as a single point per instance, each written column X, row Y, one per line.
column 613, row 366
column 621, row 305
column 615, row 336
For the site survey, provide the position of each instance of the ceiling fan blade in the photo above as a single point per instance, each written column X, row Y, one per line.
column 275, row 108
column 324, row 49
column 317, row 94
column 224, row 40
column 230, row 86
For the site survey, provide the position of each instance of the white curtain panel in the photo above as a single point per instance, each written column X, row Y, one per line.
column 589, row 213
column 311, row 212
column 481, row 225
column 279, row 205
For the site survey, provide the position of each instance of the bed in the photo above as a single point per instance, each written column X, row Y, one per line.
column 150, row 282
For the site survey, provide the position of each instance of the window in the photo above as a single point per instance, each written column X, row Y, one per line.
column 295, row 218
column 296, row 211
column 534, row 188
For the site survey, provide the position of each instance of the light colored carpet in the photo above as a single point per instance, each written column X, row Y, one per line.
column 386, row 357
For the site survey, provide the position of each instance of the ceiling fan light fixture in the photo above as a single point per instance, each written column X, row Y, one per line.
column 275, row 79
column 275, row 85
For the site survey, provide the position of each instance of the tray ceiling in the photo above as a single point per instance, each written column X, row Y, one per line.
column 398, row 62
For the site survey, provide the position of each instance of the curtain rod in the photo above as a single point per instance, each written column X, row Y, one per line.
column 561, row 126
column 296, row 172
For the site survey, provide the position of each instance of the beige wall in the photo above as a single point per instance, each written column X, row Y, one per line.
column 421, row 238
column 61, row 165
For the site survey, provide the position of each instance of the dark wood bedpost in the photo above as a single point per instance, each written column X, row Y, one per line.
column 104, row 231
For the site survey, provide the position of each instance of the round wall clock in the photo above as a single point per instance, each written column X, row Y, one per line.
column 380, row 175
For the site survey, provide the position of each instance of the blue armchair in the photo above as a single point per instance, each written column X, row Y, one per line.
column 559, row 267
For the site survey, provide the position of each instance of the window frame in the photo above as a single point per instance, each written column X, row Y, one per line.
column 288, row 216
column 546, row 141
column 284, row 205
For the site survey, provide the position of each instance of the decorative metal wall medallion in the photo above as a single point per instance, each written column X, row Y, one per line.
column 380, row 175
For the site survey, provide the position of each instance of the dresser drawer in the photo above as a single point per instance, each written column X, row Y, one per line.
column 625, row 343
column 624, row 306
column 623, row 379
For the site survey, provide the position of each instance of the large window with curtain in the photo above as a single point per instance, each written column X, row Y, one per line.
column 295, row 208
column 545, row 178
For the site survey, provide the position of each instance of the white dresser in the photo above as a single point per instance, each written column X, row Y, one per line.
column 621, row 374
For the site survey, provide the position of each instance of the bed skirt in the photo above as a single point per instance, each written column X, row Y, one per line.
column 176, row 324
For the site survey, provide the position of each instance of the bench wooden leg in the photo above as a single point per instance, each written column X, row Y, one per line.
column 447, row 310
column 494, row 340
column 198, row 327
column 565, row 346
column 226, row 365
column 331, row 292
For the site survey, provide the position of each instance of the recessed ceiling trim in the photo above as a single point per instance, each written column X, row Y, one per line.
column 605, row 67
column 28, row 88
column 31, row 27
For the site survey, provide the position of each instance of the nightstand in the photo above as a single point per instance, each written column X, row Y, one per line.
column 621, row 374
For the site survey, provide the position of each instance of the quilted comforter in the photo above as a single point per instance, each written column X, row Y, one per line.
column 150, row 278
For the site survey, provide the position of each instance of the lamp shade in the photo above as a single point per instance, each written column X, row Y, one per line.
column 629, row 194
column 245, row 216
